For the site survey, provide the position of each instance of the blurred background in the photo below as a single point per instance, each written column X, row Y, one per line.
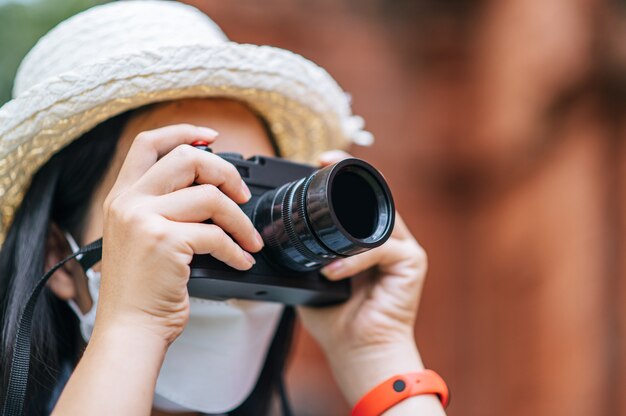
column 500, row 126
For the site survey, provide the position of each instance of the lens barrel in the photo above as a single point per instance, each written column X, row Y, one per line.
column 338, row 211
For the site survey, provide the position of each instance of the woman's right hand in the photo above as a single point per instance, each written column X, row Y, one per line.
column 153, row 226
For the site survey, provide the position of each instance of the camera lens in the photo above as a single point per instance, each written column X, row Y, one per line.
column 338, row 211
column 353, row 199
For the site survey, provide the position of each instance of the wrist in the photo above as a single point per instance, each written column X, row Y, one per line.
column 120, row 361
column 135, row 322
column 360, row 370
column 133, row 339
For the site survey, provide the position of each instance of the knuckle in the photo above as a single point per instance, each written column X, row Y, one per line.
column 129, row 218
column 136, row 219
column 217, row 235
column 216, row 166
column 113, row 207
column 420, row 253
column 213, row 194
column 183, row 151
column 156, row 234
column 212, row 230
column 144, row 139
column 154, row 231
column 231, row 172
column 419, row 258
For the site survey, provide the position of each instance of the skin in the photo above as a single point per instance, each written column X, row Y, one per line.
column 150, row 218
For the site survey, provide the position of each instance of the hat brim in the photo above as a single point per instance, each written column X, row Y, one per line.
column 300, row 102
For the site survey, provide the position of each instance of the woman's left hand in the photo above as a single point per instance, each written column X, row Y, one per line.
column 370, row 337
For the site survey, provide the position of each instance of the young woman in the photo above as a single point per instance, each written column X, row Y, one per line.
column 124, row 337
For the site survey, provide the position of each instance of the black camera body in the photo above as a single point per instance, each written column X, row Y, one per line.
column 303, row 215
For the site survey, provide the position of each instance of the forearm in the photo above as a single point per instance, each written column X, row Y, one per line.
column 116, row 375
column 358, row 373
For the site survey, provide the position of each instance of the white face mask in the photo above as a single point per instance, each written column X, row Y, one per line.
column 214, row 364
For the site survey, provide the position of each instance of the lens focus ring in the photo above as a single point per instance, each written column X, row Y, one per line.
column 292, row 205
column 338, row 211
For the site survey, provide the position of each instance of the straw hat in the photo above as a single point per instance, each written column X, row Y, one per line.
column 127, row 54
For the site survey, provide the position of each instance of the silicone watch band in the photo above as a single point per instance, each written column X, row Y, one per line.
column 397, row 388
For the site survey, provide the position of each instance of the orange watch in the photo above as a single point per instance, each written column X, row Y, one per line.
column 397, row 388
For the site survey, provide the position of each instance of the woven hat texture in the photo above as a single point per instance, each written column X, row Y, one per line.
column 128, row 54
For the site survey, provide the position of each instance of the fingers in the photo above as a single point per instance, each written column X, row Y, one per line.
column 150, row 145
column 333, row 156
column 185, row 165
column 400, row 230
column 160, row 167
column 211, row 239
column 394, row 251
column 202, row 202
column 400, row 247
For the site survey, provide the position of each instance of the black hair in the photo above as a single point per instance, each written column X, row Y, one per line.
column 60, row 192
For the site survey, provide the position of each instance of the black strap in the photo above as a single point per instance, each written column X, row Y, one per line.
column 284, row 399
column 20, row 360
column 287, row 326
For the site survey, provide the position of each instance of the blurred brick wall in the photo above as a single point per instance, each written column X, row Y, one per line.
column 499, row 127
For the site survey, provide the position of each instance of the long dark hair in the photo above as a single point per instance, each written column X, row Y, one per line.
column 60, row 192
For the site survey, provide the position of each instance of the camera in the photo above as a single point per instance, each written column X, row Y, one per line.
column 307, row 217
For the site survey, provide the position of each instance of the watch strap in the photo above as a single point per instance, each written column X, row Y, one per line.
column 397, row 388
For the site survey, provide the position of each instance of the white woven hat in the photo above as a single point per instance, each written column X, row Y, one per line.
column 127, row 54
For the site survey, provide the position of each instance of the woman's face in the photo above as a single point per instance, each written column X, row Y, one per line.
column 240, row 130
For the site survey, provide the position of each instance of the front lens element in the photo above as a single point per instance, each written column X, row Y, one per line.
column 354, row 201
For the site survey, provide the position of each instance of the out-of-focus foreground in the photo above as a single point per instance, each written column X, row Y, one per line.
column 500, row 126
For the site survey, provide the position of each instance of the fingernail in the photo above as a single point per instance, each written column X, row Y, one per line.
column 245, row 190
column 332, row 269
column 207, row 131
column 258, row 238
column 249, row 258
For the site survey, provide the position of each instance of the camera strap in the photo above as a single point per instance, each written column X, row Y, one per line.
column 20, row 356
